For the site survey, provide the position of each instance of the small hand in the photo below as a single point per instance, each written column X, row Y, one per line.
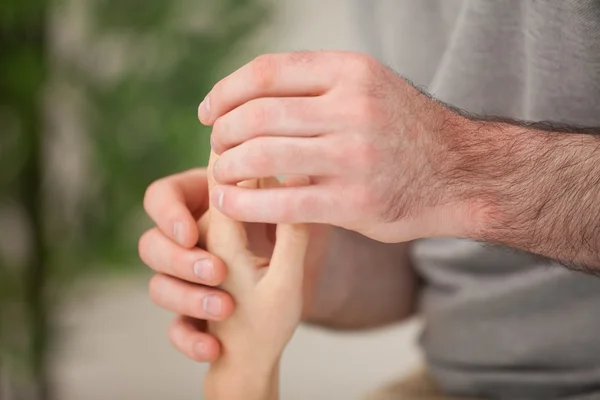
column 268, row 290
column 377, row 150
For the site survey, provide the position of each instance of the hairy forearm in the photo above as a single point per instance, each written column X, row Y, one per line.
column 362, row 284
column 537, row 187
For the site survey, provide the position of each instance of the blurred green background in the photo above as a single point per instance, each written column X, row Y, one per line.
column 98, row 98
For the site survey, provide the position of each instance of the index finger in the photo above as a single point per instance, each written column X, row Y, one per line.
column 272, row 75
column 225, row 234
column 176, row 202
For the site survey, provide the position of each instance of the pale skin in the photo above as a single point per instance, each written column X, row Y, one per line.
column 385, row 161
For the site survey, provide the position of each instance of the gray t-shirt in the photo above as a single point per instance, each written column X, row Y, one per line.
column 500, row 323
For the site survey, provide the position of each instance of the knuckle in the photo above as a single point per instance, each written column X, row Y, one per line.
column 264, row 69
column 364, row 111
column 362, row 66
column 363, row 153
column 256, row 118
column 153, row 191
column 337, row 150
column 302, row 57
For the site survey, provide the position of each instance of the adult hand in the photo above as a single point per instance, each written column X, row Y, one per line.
column 186, row 275
column 378, row 151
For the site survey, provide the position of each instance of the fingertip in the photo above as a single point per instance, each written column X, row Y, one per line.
column 220, row 271
column 144, row 246
column 291, row 243
column 225, row 199
column 227, row 307
column 217, row 197
column 187, row 337
column 204, row 111
column 199, row 113
column 206, row 349
column 185, row 231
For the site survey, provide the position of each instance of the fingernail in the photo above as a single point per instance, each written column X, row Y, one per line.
column 217, row 197
column 212, row 142
column 200, row 350
column 204, row 269
column 179, row 232
column 212, row 305
column 204, row 109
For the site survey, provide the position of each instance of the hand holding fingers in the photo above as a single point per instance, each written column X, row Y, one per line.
column 175, row 202
column 268, row 298
column 378, row 151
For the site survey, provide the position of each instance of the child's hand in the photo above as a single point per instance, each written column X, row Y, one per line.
column 268, row 297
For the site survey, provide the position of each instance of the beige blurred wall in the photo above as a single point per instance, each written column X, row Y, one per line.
column 313, row 25
column 115, row 343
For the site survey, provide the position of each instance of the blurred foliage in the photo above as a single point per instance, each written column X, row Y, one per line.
column 98, row 98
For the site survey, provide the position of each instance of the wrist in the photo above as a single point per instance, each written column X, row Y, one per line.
column 480, row 163
column 229, row 379
column 523, row 183
column 458, row 159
